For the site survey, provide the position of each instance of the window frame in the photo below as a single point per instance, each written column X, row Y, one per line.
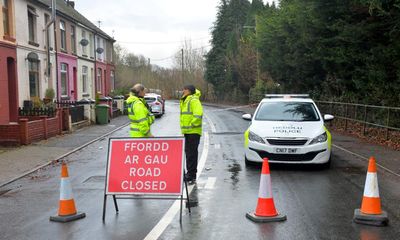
column 6, row 17
column 112, row 80
column 91, row 51
column 32, row 24
column 37, row 76
column 73, row 39
column 64, row 71
column 85, row 79
column 63, row 35
column 84, row 48
column 99, row 80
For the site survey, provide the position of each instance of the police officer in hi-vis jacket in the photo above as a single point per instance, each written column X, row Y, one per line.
column 191, row 116
column 139, row 115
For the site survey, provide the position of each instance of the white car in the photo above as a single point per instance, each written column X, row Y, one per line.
column 156, row 103
column 288, row 129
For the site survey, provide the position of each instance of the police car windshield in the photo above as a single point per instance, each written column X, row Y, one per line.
column 287, row 111
column 149, row 99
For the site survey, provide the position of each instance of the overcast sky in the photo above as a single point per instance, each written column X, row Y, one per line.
column 153, row 28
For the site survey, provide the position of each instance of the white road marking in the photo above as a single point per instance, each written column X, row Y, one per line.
column 365, row 158
column 156, row 232
column 213, row 130
column 217, row 146
column 210, row 183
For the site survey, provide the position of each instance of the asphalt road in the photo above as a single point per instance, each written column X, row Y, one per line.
column 319, row 204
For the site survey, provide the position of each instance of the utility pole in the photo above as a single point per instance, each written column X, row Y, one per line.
column 183, row 76
column 257, row 53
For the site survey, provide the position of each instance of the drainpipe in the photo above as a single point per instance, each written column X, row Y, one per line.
column 52, row 20
column 95, row 64
column 55, row 53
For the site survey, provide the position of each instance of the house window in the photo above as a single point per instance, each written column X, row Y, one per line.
column 98, row 46
column 33, row 78
column 91, row 45
column 63, row 36
column 46, row 19
column 98, row 82
column 32, row 24
column 6, row 21
column 112, row 80
column 84, row 48
column 84, row 78
column 73, row 40
column 104, row 54
column 112, row 53
column 64, row 79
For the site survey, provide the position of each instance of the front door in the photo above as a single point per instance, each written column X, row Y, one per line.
column 74, row 92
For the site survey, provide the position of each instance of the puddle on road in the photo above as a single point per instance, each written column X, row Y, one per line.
column 234, row 169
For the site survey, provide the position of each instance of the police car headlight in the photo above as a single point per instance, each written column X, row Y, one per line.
column 321, row 138
column 255, row 138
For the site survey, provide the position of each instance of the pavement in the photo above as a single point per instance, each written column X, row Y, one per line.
column 16, row 162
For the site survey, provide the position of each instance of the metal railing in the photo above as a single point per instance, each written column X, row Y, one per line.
column 75, row 109
column 367, row 115
column 50, row 112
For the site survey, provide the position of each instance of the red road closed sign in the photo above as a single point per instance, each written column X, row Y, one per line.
column 145, row 166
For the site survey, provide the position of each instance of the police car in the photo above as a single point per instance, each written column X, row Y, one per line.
column 288, row 129
column 156, row 103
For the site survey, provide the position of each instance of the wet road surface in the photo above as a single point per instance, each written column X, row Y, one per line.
column 319, row 204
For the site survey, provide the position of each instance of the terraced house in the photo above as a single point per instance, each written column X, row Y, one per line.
column 8, row 64
column 42, row 50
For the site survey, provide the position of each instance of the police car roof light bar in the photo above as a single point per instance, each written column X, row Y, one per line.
column 287, row 95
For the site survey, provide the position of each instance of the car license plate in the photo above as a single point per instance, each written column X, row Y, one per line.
column 286, row 150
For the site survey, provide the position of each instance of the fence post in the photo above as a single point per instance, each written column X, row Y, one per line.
column 24, row 132
column 387, row 124
column 365, row 119
column 60, row 115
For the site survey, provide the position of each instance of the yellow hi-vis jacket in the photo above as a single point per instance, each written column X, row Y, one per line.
column 191, row 114
column 140, row 117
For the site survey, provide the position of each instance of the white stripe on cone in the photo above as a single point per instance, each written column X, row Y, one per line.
column 371, row 188
column 265, row 186
column 65, row 189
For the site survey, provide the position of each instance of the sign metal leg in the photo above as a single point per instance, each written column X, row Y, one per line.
column 104, row 207
column 115, row 204
column 187, row 196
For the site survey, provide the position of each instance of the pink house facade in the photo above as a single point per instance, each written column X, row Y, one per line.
column 67, row 77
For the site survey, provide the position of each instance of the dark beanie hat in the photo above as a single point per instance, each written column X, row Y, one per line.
column 191, row 88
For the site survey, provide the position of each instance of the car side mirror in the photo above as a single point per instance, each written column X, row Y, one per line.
column 247, row 117
column 328, row 117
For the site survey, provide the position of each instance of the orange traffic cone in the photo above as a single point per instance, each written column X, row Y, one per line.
column 66, row 211
column 265, row 210
column 371, row 212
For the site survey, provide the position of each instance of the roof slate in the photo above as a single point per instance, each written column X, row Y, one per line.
column 63, row 8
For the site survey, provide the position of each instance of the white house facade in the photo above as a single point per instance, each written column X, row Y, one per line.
column 32, row 57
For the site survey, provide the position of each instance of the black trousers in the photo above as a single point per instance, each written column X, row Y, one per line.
column 192, row 153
